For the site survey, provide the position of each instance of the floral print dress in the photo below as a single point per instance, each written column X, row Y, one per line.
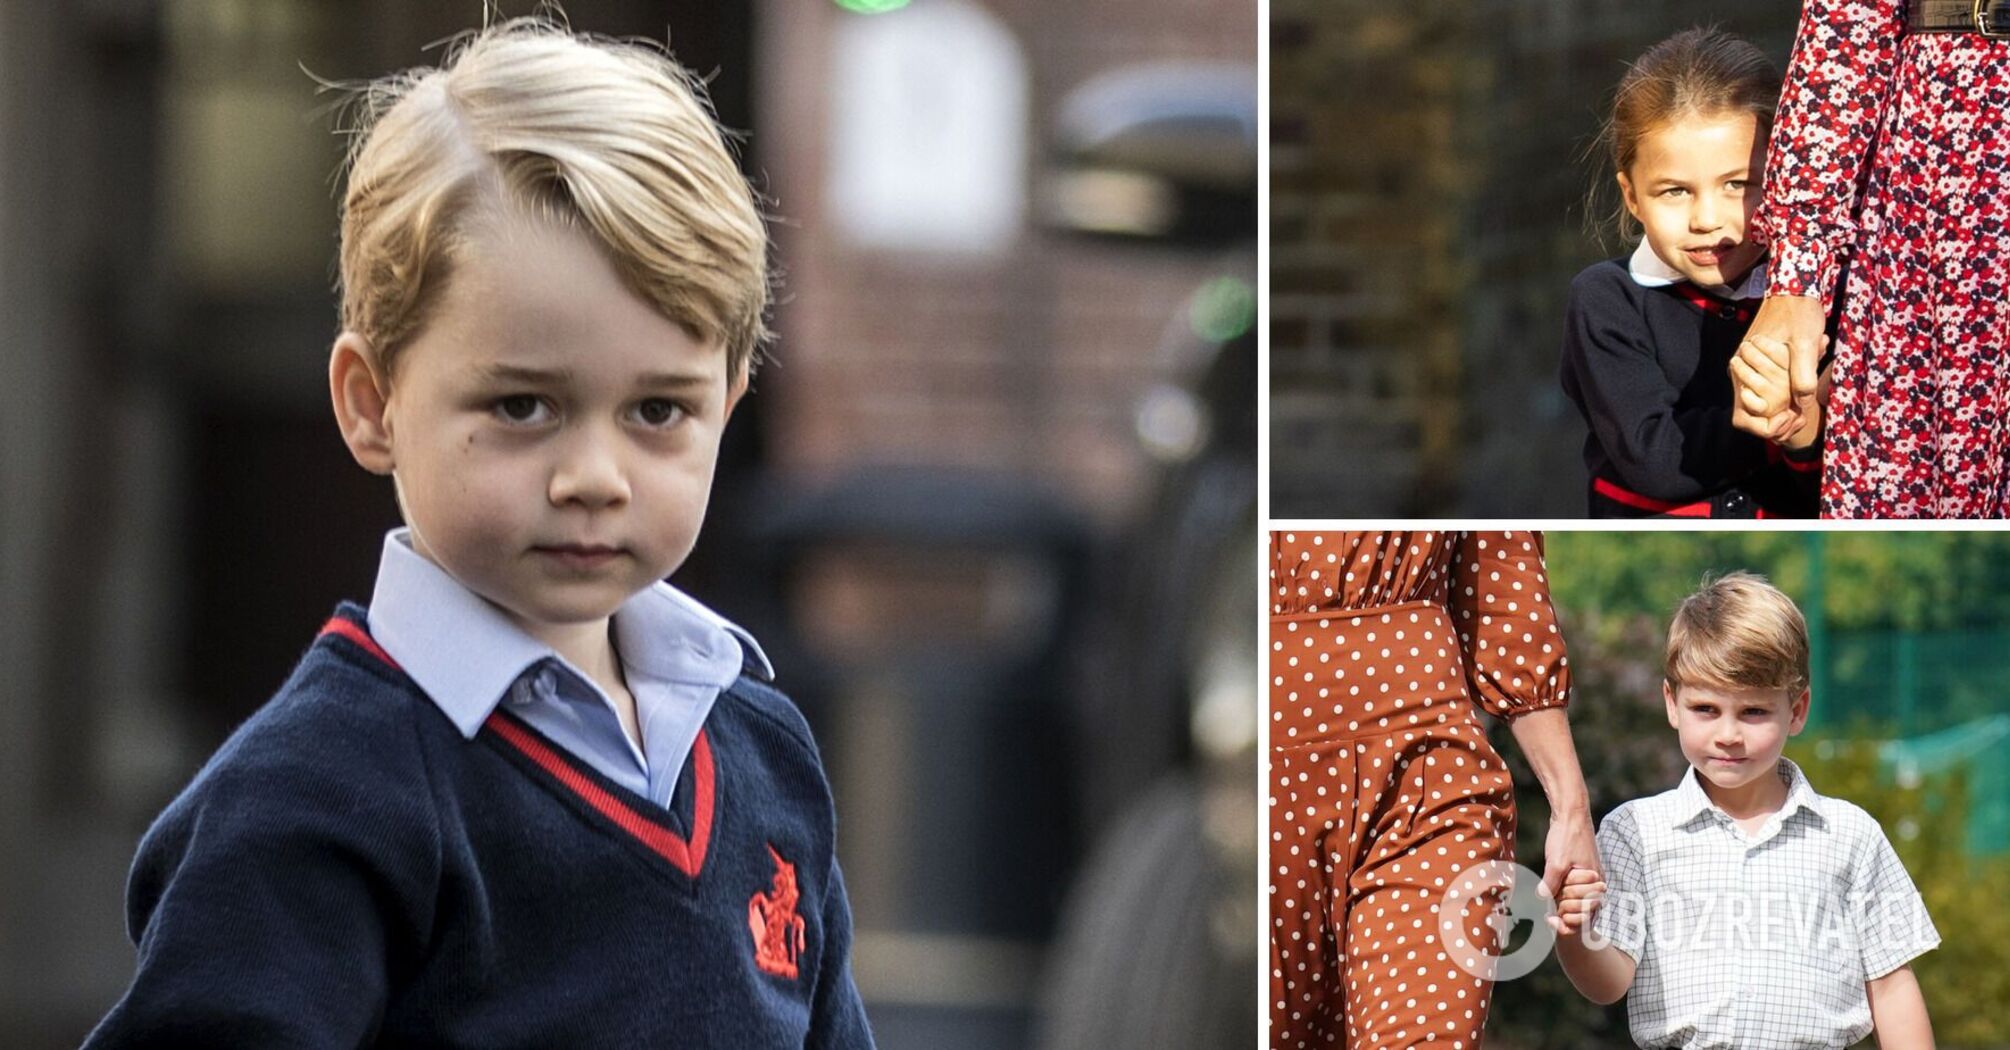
column 1891, row 152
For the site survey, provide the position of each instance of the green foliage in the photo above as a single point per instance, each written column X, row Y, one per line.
column 1966, row 981
column 1915, row 581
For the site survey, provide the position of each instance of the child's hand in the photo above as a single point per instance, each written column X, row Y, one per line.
column 1583, row 890
column 1763, row 401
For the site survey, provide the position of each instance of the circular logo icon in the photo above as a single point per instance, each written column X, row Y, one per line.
column 1483, row 914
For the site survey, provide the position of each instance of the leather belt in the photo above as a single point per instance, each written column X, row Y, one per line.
column 1991, row 18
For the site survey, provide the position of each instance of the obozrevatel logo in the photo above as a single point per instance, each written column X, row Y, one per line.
column 1481, row 920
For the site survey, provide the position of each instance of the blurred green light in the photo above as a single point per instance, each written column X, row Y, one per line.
column 1222, row 309
column 872, row 7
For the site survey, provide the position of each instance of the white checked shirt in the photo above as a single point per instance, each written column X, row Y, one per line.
column 1759, row 941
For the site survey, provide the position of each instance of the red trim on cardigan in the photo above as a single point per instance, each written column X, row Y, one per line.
column 686, row 856
column 1699, row 509
column 1714, row 306
column 349, row 630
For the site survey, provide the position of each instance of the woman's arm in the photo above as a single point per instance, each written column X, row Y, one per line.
column 1830, row 106
column 1898, row 1012
column 1519, row 671
column 1544, row 739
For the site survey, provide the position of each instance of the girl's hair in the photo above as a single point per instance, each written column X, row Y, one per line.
column 1698, row 72
column 610, row 138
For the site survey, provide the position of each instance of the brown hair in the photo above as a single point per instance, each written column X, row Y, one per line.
column 1738, row 630
column 611, row 138
column 1697, row 72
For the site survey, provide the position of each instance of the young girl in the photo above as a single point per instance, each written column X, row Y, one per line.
column 1650, row 339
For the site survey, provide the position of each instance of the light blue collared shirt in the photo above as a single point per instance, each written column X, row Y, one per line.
column 676, row 654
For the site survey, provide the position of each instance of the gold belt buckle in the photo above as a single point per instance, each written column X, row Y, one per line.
column 1984, row 25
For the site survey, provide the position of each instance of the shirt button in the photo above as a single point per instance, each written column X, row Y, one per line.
column 1728, row 312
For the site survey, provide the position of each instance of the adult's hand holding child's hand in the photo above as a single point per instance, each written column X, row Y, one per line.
column 1571, row 846
column 1764, row 401
column 1797, row 322
column 1583, row 891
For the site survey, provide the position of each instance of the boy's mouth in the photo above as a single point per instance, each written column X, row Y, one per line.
column 578, row 555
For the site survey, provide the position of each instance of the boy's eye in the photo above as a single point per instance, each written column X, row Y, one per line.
column 520, row 408
column 659, row 412
column 1739, row 184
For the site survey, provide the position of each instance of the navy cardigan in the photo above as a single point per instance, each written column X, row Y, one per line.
column 349, row 871
column 1648, row 369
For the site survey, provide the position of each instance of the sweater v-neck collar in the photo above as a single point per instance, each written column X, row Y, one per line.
column 643, row 823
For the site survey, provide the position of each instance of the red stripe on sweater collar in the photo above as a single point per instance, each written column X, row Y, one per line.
column 686, row 855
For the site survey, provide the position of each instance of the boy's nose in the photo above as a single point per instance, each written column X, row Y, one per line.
column 589, row 474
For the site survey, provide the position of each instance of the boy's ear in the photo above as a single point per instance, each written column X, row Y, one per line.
column 1668, row 698
column 736, row 388
column 1800, row 713
column 359, row 395
column 1626, row 195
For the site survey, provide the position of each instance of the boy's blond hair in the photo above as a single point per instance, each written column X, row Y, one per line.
column 610, row 138
column 1738, row 630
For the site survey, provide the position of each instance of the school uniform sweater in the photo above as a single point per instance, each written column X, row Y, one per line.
column 1648, row 367
column 350, row 871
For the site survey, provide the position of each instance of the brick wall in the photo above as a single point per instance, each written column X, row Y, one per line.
column 1028, row 360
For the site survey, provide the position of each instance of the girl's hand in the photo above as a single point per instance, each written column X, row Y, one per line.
column 1763, row 400
column 1762, row 397
column 1583, row 891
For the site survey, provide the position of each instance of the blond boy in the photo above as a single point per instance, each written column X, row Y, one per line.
column 532, row 796
column 1742, row 908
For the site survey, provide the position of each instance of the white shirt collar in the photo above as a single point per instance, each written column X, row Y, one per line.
column 466, row 654
column 1649, row 271
column 1690, row 800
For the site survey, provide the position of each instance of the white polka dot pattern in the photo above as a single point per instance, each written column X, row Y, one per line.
column 1493, row 583
column 1382, row 787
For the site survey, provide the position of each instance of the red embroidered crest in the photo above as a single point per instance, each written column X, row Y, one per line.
column 777, row 929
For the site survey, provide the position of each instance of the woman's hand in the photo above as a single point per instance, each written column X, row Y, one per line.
column 1570, row 845
column 1796, row 321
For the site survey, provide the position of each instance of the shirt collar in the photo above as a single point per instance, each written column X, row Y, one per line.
column 1691, row 801
column 1648, row 271
column 465, row 654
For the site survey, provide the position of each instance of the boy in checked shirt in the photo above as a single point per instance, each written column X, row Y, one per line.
column 1741, row 908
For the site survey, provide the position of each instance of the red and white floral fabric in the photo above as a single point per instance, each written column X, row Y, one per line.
column 1892, row 152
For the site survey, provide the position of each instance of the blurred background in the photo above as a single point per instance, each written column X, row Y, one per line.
column 1910, row 720
column 992, row 510
column 1426, row 216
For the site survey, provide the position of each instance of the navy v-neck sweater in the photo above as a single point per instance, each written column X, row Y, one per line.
column 349, row 871
column 1649, row 370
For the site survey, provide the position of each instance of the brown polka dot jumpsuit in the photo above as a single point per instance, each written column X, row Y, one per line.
column 1383, row 787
